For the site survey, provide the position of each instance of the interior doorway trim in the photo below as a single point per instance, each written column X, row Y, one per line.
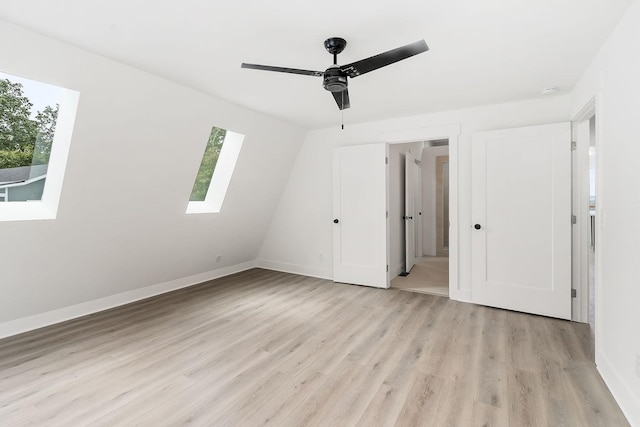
column 593, row 107
column 580, row 128
column 587, row 111
column 452, row 133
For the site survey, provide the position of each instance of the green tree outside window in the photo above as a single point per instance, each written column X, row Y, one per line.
column 208, row 164
column 24, row 141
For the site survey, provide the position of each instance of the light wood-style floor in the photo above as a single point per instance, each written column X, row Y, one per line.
column 430, row 275
column 272, row 348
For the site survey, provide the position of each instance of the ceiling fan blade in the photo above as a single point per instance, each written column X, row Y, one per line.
column 378, row 61
column 342, row 99
column 283, row 70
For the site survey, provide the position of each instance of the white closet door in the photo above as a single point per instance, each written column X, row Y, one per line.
column 521, row 219
column 360, row 215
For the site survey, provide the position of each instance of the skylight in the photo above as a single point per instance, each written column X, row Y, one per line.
column 216, row 168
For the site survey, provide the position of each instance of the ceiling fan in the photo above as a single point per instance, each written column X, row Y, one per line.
column 335, row 77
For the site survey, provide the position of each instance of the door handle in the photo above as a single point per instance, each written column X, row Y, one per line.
column 477, row 226
column 335, row 221
column 407, row 217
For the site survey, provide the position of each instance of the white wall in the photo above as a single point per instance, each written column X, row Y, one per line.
column 136, row 148
column 301, row 229
column 614, row 77
column 429, row 225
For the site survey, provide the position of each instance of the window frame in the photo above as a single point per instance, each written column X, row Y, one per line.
column 47, row 207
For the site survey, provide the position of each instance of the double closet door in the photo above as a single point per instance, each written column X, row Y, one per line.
column 520, row 228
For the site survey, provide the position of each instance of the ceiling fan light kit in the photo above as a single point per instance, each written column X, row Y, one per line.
column 335, row 78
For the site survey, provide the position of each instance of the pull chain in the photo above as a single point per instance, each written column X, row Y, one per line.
column 342, row 109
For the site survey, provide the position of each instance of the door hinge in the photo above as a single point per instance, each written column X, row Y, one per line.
column 574, row 219
column 386, row 160
column 574, row 293
column 387, row 214
column 387, row 267
column 573, row 145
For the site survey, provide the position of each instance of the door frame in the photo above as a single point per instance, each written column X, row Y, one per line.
column 580, row 200
column 452, row 133
column 593, row 107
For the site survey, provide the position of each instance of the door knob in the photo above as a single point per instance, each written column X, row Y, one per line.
column 335, row 221
column 477, row 226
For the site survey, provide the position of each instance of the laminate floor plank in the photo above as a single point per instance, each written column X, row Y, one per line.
column 527, row 399
column 487, row 415
column 271, row 348
column 280, row 406
column 419, row 408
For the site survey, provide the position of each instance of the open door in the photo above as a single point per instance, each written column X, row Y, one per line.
column 521, row 213
column 360, row 215
column 410, row 172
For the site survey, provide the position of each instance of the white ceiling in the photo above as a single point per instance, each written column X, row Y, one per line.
column 481, row 51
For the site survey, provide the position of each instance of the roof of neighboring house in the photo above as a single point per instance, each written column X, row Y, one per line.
column 21, row 174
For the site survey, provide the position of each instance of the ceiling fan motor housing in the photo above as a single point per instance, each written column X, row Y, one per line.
column 334, row 80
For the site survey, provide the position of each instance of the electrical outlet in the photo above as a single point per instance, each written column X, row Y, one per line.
column 219, row 257
column 638, row 364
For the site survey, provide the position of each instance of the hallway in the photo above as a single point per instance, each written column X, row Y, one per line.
column 430, row 275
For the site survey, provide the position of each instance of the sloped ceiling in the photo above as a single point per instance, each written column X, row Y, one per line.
column 481, row 52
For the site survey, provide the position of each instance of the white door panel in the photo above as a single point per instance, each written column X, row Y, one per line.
column 418, row 211
column 359, row 206
column 521, row 199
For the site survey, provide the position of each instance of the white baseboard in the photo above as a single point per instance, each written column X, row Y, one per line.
column 25, row 324
column 321, row 273
column 628, row 401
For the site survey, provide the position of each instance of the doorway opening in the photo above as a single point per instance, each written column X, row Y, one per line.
column 442, row 206
column 428, row 220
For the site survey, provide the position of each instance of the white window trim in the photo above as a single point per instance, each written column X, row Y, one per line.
column 23, row 183
column 47, row 208
column 221, row 176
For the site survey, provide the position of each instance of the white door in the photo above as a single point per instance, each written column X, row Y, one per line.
column 521, row 219
column 418, row 210
column 360, row 215
column 410, row 172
